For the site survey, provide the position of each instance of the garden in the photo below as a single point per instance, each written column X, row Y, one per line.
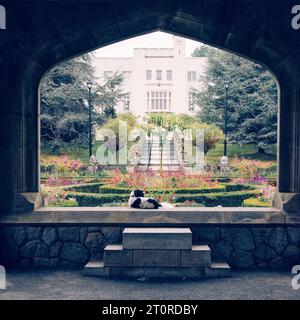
column 71, row 183
column 70, row 178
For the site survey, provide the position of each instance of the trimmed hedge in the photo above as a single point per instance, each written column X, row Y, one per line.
column 230, row 187
column 231, row 199
column 122, row 190
column 226, row 187
column 65, row 203
column 96, row 199
column 84, row 188
column 254, row 202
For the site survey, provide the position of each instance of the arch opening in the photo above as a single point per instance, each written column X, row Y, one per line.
column 141, row 99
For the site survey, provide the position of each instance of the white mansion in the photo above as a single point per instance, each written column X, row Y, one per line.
column 156, row 79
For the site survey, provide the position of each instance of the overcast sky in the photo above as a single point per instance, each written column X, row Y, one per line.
column 152, row 40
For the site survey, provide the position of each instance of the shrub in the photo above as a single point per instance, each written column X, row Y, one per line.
column 85, row 188
column 150, row 180
column 95, row 199
column 61, row 164
column 59, row 182
column 119, row 190
column 255, row 202
column 64, row 203
column 114, row 125
column 189, row 204
column 229, row 199
column 238, row 187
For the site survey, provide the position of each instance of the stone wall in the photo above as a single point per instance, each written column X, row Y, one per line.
column 252, row 247
column 241, row 247
column 54, row 246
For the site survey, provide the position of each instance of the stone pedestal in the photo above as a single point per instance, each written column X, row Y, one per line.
column 157, row 253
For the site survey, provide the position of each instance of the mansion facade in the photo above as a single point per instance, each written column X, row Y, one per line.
column 156, row 79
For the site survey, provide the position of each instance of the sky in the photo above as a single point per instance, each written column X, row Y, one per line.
column 152, row 40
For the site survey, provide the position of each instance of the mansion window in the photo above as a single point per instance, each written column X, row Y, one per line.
column 169, row 75
column 148, row 74
column 158, row 74
column 192, row 76
column 159, row 101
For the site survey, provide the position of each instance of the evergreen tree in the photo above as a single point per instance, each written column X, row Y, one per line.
column 64, row 102
column 64, row 110
column 252, row 98
column 109, row 94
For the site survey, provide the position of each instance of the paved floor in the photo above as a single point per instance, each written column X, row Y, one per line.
column 55, row 284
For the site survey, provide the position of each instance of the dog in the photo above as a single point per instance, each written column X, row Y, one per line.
column 138, row 200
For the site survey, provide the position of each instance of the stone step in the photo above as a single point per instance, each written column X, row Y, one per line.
column 144, row 167
column 156, row 258
column 164, row 163
column 165, row 168
column 97, row 268
column 164, row 157
column 217, row 270
column 200, row 256
column 115, row 255
column 157, row 238
column 157, row 272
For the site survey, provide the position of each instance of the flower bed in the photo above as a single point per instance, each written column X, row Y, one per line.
column 65, row 184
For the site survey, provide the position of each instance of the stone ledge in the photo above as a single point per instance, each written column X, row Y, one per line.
column 163, row 217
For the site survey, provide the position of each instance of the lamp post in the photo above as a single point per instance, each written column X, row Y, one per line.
column 89, row 85
column 226, row 84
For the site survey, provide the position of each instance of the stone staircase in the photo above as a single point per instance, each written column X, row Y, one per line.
column 157, row 253
column 150, row 155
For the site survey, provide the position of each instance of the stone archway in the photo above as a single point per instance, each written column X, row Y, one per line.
column 42, row 34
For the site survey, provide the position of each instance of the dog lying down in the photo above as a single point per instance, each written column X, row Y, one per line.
column 138, row 200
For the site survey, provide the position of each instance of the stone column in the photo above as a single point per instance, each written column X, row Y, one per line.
column 19, row 131
column 288, row 196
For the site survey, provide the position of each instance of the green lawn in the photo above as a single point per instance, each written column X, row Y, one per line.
column 78, row 152
column 248, row 151
column 75, row 152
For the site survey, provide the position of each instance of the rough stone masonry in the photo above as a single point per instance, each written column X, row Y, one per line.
column 242, row 247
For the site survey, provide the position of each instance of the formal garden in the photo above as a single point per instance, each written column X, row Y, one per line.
column 67, row 183
column 70, row 178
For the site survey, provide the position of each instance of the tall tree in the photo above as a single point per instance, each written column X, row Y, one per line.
column 109, row 94
column 64, row 103
column 252, row 98
column 64, row 110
